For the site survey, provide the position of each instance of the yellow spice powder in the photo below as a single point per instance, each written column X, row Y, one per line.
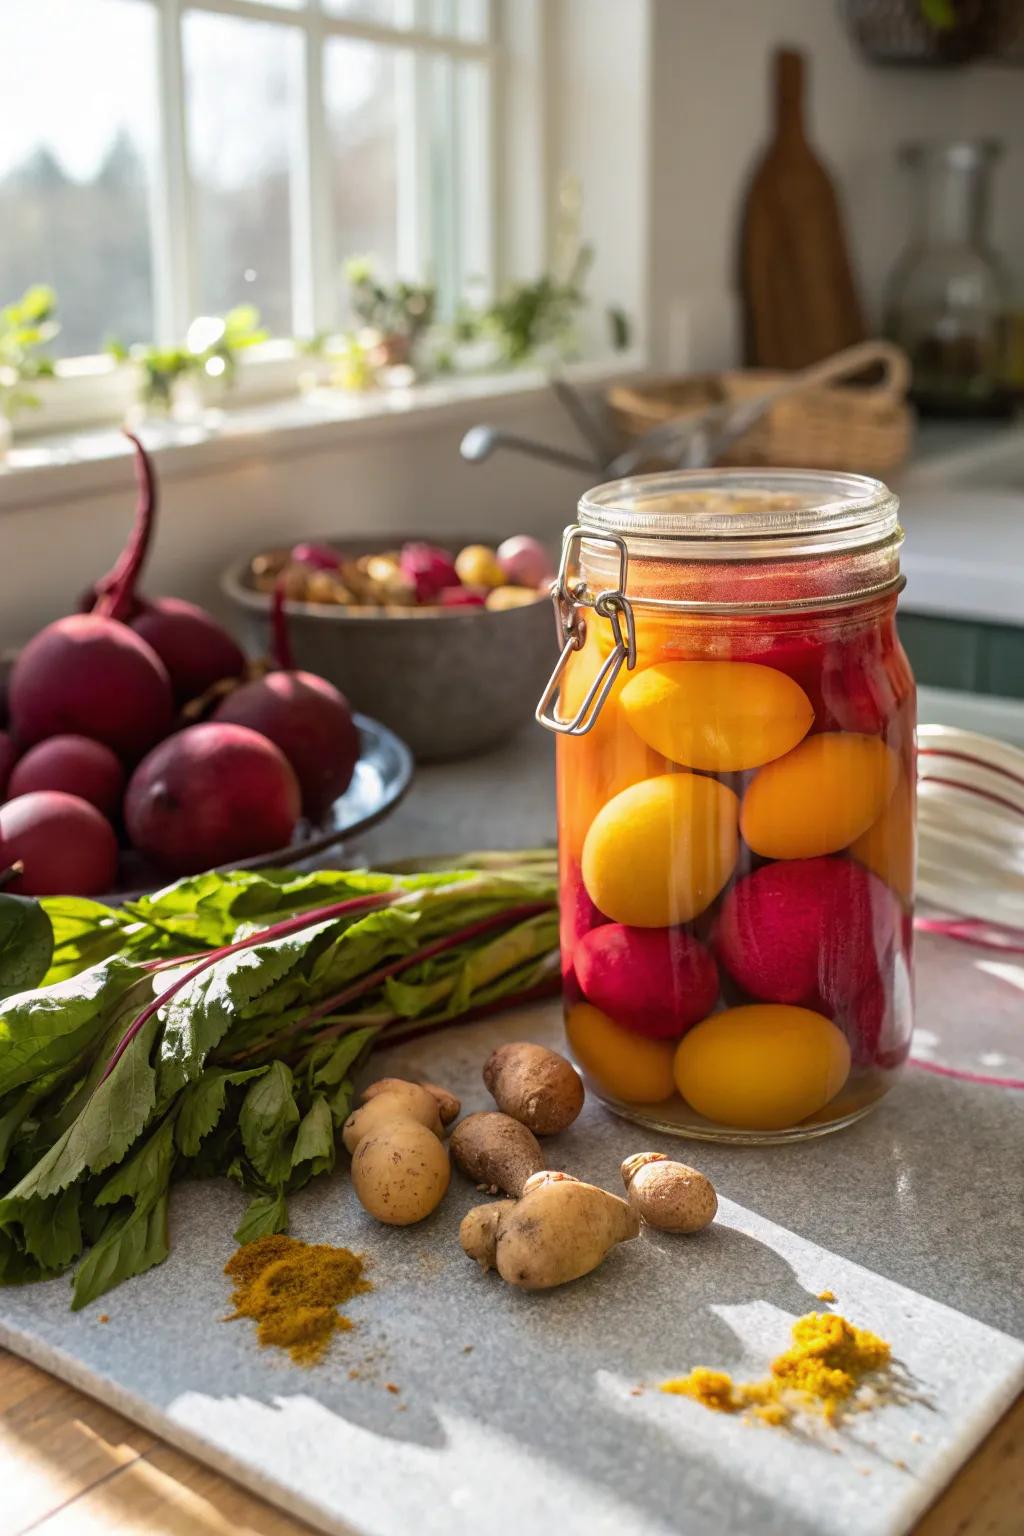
column 825, row 1364
column 292, row 1291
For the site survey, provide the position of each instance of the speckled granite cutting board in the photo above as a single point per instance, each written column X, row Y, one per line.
column 519, row 1414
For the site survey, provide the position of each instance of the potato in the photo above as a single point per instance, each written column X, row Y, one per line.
column 400, row 1173
column 559, row 1231
column 386, row 1100
column 534, row 1085
column 496, row 1151
column 668, row 1196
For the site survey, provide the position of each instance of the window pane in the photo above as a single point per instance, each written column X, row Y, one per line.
column 360, row 94
column 459, row 179
column 465, row 19
column 386, row 13
column 77, row 131
column 244, row 118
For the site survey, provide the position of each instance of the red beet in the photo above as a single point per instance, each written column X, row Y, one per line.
column 312, row 724
column 320, row 556
column 305, row 716
column 90, row 676
column 428, row 569
column 8, row 758
column 807, row 930
column 76, row 766
column 211, row 794
column 195, row 649
column 656, row 982
column 460, row 597
column 66, row 846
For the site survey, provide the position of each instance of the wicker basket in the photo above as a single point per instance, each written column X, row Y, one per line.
column 815, row 425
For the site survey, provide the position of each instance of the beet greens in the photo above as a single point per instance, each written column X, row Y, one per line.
column 213, row 1029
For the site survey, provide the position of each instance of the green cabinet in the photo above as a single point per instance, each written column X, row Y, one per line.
column 959, row 653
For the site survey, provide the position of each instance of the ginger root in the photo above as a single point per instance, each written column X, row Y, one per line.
column 478, row 1233
column 535, row 1086
column 496, row 1151
column 667, row 1195
column 560, row 1230
column 400, row 1167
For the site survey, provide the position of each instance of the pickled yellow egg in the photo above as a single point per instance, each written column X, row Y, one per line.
column 722, row 716
column 609, row 758
column 661, row 851
column 819, row 797
column 888, row 848
column 762, row 1068
column 624, row 1065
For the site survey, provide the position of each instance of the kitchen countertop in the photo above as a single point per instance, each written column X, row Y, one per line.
column 79, row 1467
column 962, row 508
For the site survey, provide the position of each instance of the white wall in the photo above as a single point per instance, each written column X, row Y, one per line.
column 711, row 69
column 354, row 483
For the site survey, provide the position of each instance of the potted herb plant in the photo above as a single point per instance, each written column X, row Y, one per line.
column 184, row 380
column 26, row 327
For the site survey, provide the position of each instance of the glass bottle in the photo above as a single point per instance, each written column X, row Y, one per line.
column 736, row 774
column 947, row 296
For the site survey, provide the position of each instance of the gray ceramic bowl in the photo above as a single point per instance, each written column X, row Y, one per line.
column 449, row 682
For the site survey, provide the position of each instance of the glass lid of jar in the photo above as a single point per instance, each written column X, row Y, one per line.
column 736, row 505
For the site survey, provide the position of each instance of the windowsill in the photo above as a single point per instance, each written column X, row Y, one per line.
column 62, row 465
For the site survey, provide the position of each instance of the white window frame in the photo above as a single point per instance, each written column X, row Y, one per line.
column 95, row 389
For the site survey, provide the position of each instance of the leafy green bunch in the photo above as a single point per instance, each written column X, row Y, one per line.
column 213, row 1029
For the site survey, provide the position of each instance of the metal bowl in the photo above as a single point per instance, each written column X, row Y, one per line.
column 450, row 682
column 379, row 783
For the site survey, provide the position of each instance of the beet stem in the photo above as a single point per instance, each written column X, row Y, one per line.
column 116, row 590
column 535, row 994
column 281, row 653
column 276, row 931
column 507, row 918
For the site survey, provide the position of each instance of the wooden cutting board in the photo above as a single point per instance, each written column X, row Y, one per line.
column 799, row 294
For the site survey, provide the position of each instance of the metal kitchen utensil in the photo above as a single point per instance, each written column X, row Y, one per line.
column 696, row 440
column 595, row 431
column 480, row 442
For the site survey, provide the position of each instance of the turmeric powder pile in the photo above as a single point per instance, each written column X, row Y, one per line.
column 292, row 1292
column 825, row 1364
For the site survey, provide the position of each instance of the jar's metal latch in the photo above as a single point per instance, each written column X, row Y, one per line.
column 568, row 595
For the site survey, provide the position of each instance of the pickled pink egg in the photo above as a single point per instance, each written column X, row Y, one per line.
column 652, row 981
column 808, row 931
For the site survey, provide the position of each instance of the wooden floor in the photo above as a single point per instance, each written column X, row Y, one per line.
column 70, row 1467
